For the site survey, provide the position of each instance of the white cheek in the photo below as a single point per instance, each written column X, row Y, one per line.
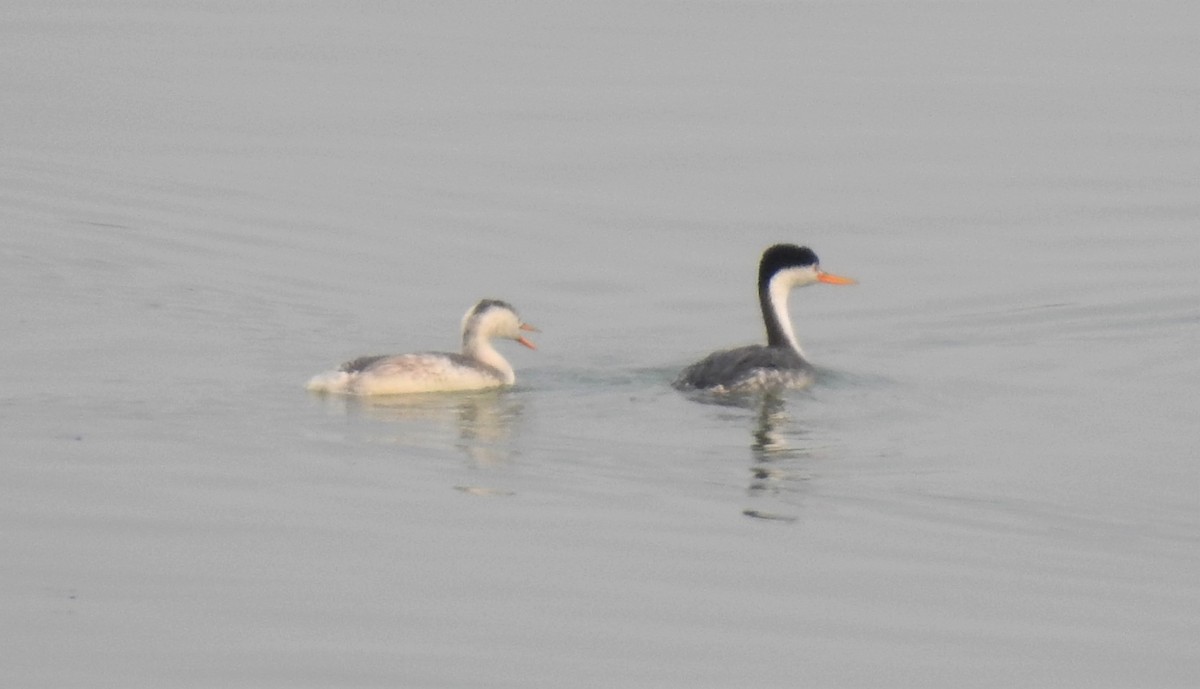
column 783, row 282
column 796, row 277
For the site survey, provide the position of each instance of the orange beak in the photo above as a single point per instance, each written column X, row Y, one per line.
column 832, row 279
column 529, row 328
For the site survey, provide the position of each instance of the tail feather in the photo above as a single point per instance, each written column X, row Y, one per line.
column 330, row 382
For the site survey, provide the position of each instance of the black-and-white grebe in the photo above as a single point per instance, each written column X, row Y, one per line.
column 781, row 362
column 479, row 366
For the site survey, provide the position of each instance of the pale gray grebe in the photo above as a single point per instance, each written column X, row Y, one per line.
column 781, row 362
column 479, row 366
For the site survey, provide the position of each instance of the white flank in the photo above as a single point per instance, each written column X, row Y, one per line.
column 408, row 373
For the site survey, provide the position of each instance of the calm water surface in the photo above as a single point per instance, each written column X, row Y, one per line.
column 993, row 482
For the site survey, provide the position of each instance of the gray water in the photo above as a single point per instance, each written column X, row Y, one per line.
column 994, row 481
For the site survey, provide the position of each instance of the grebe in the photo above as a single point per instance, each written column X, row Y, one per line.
column 781, row 362
column 479, row 366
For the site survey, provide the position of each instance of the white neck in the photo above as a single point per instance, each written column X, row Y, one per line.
column 778, row 291
column 479, row 347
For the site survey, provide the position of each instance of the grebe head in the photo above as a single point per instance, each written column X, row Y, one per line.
column 784, row 266
column 494, row 318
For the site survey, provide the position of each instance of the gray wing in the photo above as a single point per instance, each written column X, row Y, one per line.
column 362, row 363
column 729, row 367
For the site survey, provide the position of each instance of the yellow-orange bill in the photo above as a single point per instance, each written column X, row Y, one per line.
column 527, row 343
column 832, row 279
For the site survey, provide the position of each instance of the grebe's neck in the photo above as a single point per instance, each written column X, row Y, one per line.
column 773, row 297
column 478, row 346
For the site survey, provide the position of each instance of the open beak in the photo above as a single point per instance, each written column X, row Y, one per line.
column 832, row 279
column 529, row 328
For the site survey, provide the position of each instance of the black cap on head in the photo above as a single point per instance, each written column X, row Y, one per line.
column 485, row 304
column 782, row 256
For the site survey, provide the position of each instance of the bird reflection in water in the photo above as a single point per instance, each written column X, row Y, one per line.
column 777, row 473
column 480, row 424
column 774, row 472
